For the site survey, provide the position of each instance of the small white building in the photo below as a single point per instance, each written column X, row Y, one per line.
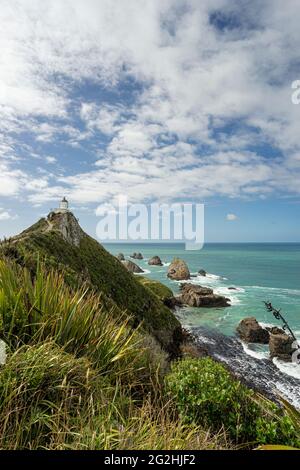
column 63, row 206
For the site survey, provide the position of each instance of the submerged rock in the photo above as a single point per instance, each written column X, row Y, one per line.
column 155, row 261
column 202, row 272
column 178, row 270
column 281, row 346
column 249, row 330
column 121, row 257
column 132, row 267
column 198, row 296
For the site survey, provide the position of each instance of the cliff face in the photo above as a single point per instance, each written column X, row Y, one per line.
column 61, row 243
column 67, row 224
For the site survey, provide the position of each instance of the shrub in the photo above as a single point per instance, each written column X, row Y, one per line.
column 206, row 393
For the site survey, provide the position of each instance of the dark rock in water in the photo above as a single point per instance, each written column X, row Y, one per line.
column 275, row 330
column 202, row 272
column 281, row 346
column 232, row 288
column 121, row 257
column 198, row 296
column 137, row 256
column 178, row 270
column 250, row 331
column 132, row 267
column 155, row 261
column 172, row 302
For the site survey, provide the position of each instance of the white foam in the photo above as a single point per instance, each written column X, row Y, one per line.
column 203, row 280
column 232, row 295
column 205, row 340
column 145, row 271
column 166, row 264
column 279, row 289
column 266, row 325
column 288, row 368
column 256, row 354
column 297, row 334
column 289, row 394
column 215, row 277
column 236, row 289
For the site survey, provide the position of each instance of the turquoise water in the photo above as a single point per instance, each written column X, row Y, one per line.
column 269, row 272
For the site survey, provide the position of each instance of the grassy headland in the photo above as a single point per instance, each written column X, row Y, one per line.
column 95, row 360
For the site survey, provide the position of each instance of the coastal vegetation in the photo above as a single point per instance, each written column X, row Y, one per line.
column 207, row 394
column 96, row 360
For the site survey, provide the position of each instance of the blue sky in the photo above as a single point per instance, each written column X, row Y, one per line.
column 173, row 101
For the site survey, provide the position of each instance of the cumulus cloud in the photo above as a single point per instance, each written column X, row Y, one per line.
column 231, row 217
column 160, row 100
column 4, row 215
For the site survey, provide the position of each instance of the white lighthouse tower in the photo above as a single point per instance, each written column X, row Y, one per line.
column 63, row 206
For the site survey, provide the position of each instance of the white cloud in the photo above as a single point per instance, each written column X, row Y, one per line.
column 191, row 78
column 50, row 159
column 231, row 217
column 103, row 118
column 6, row 215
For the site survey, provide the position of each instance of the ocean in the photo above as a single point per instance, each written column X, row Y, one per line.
column 259, row 272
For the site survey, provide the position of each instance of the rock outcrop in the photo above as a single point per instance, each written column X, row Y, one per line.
column 281, row 346
column 275, row 330
column 120, row 257
column 198, row 296
column 155, row 261
column 132, row 267
column 136, row 256
column 178, row 270
column 67, row 225
column 202, row 272
column 249, row 330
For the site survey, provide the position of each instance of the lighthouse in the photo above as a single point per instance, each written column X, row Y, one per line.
column 63, row 206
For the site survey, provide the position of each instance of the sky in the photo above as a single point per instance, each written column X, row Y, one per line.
column 159, row 100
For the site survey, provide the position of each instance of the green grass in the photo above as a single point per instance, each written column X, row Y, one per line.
column 92, row 263
column 160, row 290
column 79, row 377
column 51, row 400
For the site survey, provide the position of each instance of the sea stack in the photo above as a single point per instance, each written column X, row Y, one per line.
column 178, row 270
column 155, row 261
